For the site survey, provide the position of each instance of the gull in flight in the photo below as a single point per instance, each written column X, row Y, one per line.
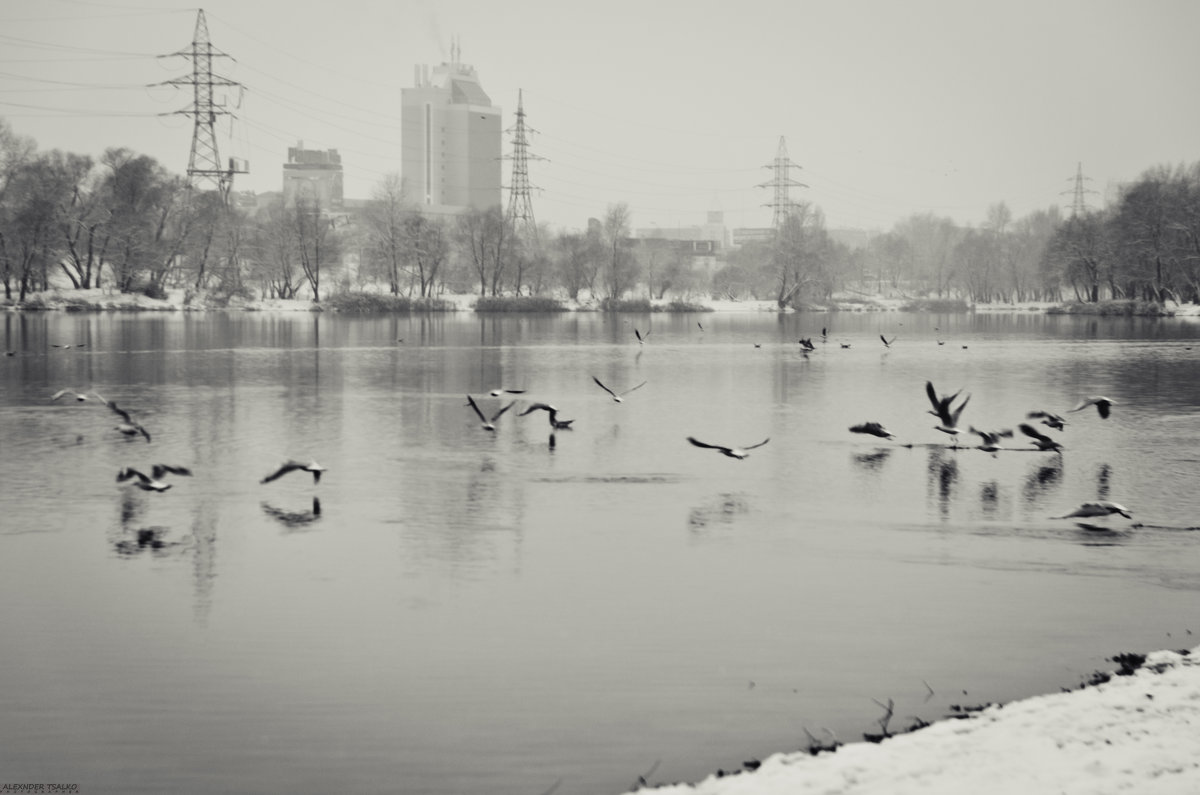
column 1101, row 508
column 989, row 441
column 71, row 392
column 488, row 425
column 886, row 342
column 642, row 337
column 616, row 396
column 151, row 483
column 733, row 452
column 942, row 410
column 555, row 422
column 1102, row 405
column 296, row 466
column 1040, row 440
column 501, row 392
column 128, row 427
column 1055, row 421
column 874, row 429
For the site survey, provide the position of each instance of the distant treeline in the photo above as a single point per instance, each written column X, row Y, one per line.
column 125, row 222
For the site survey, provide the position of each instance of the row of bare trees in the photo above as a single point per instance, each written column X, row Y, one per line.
column 125, row 221
column 1146, row 247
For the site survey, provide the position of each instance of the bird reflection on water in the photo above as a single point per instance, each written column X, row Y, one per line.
column 145, row 539
column 294, row 519
column 873, row 460
column 943, row 474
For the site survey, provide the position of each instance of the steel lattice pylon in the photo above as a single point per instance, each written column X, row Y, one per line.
column 204, row 162
column 520, row 200
column 781, row 166
column 1078, row 205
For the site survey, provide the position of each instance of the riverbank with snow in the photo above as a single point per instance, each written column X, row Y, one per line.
column 1138, row 731
column 177, row 300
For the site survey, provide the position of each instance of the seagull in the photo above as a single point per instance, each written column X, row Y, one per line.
column 499, row 392
column 873, row 428
column 1102, row 405
column 698, row 323
column 128, row 427
column 807, row 344
column 989, row 441
column 616, row 396
column 845, row 345
column 941, row 410
column 641, row 339
column 73, row 393
column 886, row 342
column 1101, row 508
column 68, row 345
column 1040, row 440
column 824, row 336
column 144, row 482
column 733, row 452
column 1048, row 418
column 488, row 425
column 555, row 423
column 296, row 466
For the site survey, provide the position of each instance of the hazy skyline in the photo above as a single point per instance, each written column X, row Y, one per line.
column 889, row 109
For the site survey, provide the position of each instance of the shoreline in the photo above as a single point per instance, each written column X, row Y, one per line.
column 103, row 300
column 1134, row 729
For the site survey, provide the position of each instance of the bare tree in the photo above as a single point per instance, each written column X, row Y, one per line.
column 621, row 273
column 386, row 238
column 427, row 247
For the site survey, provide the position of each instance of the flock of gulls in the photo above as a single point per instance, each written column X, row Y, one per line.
column 157, row 481
column 947, row 408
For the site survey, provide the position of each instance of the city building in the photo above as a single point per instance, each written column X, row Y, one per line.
column 450, row 140
column 313, row 176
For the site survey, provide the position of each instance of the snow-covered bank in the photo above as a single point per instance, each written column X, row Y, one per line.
column 177, row 300
column 1134, row 733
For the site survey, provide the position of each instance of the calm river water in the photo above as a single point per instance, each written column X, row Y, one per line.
column 473, row 612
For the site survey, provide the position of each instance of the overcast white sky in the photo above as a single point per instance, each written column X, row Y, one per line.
column 675, row 107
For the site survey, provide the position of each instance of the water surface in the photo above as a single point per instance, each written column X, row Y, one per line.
column 475, row 612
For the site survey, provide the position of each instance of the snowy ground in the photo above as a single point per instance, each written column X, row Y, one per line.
column 1138, row 733
column 110, row 299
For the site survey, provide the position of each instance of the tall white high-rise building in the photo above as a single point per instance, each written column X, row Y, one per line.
column 450, row 140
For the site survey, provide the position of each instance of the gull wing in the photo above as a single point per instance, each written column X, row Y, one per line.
column 958, row 412
column 496, row 416
column 1033, row 432
column 290, row 466
column 708, row 446
column 639, row 386
column 128, row 473
column 475, row 408
column 760, row 444
column 933, row 397
column 602, row 386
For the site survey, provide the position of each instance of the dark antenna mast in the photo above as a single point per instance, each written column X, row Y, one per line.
column 204, row 162
column 781, row 166
column 520, row 201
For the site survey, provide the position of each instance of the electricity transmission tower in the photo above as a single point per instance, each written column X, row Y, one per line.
column 781, row 166
column 1078, row 205
column 204, row 162
column 520, row 202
